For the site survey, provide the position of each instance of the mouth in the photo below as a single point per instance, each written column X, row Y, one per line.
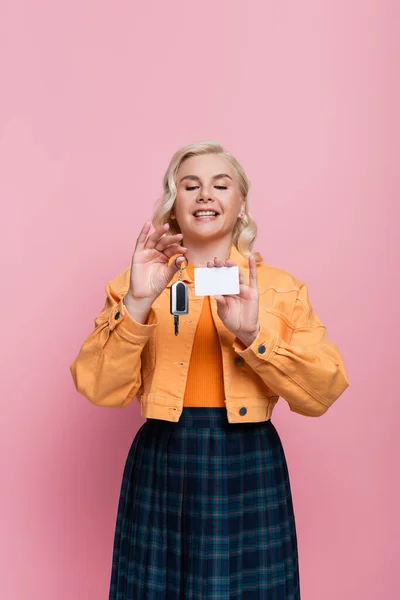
column 208, row 215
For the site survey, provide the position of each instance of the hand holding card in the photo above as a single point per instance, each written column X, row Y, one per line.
column 237, row 310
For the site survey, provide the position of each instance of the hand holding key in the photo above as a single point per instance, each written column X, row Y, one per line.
column 150, row 272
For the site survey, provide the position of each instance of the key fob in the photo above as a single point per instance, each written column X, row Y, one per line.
column 179, row 298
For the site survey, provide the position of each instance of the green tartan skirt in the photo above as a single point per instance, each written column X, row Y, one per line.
column 205, row 512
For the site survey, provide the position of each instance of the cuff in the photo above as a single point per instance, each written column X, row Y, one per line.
column 260, row 351
column 128, row 328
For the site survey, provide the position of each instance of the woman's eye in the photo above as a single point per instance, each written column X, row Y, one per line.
column 219, row 187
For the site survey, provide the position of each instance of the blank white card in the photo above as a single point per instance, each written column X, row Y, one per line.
column 216, row 281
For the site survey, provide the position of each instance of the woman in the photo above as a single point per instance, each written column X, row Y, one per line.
column 205, row 509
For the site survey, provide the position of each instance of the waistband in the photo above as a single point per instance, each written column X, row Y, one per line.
column 207, row 417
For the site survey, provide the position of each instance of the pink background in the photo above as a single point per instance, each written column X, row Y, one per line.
column 96, row 96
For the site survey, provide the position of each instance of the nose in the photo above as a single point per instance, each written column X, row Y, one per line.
column 205, row 197
column 205, row 194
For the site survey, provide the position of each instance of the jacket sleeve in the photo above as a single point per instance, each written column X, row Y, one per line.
column 107, row 370
column 308, row 371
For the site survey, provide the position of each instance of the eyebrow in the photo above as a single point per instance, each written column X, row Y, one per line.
column 218, row 176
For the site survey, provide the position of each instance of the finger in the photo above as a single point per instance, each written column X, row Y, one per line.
column 252, row 273
column 218, row 262
column 180, row 260
column 143, row 235
column 220, row 300
column 242, row 279
column 174, row 249
column 210, row 264
column 242, row 292
column 167, row 240
column 157, row 235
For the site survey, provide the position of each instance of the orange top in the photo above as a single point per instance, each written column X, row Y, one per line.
column 205, row 384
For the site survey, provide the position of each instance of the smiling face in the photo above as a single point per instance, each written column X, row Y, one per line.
column 207, row 183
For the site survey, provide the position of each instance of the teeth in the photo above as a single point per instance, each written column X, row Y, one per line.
column 205, row 213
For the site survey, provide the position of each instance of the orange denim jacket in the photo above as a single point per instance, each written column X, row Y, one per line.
column 291, row 356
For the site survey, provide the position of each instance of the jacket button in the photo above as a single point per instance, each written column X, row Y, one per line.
column 242, row 411
column 117, row 315
column 239, row 360
column 261, row 349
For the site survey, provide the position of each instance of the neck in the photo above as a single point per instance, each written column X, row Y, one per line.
column 200, row 252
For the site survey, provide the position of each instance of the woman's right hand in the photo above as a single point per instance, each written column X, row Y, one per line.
column 150, row 272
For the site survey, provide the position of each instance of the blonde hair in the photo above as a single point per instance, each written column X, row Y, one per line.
column 245, row 230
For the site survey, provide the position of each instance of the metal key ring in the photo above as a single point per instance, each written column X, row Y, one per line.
column 180, row 266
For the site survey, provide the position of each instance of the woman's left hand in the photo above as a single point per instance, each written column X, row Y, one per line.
column 239, row 312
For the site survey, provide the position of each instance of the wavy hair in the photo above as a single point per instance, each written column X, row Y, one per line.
column 245, row 230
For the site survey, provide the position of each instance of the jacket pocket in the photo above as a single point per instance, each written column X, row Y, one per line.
column 148, row 354
column 148, row 358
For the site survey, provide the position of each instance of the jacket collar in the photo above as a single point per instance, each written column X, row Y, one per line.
column 235, row 255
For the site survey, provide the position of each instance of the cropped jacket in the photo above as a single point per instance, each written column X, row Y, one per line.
column 290, row 358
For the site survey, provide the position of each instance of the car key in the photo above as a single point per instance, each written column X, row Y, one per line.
column 179, row 299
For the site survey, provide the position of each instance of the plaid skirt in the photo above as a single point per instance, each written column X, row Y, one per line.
column 205, row 512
